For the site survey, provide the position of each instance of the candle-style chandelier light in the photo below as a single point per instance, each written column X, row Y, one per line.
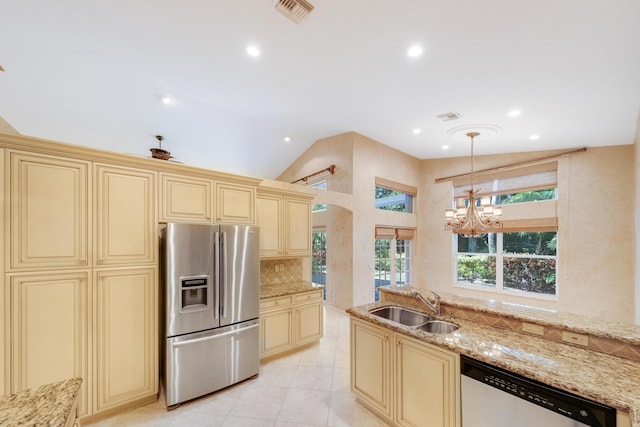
column 473, row 216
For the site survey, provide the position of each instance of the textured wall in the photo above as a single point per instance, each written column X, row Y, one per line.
column 596, row 206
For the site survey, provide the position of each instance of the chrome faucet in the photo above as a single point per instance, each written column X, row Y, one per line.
column 435, row 306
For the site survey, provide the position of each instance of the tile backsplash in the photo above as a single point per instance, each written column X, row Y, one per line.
column 274, row 272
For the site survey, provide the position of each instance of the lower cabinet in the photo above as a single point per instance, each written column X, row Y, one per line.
column 290, row 321
column 371, row 365
column 409, row 382
column 49, row 321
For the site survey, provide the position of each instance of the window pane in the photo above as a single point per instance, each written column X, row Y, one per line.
column 525, row 196
column 402, row 262
column 393, row 200
column 477, row 269
column 382, row 265
column 530, row 274
column 478, row 245
column 319, row 259
column 538, row 243
column 320, row 185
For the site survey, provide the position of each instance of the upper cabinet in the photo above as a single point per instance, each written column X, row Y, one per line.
column 49, row 216
column 125, row 216
column 297, row 227
column 185, row 199
column 235, row 203
column 285, row 225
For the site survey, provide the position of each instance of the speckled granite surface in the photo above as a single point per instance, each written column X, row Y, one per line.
column 608, row 379
column 48, row 405
column 281, row 289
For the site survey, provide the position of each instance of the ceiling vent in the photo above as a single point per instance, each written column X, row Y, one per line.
column 449, row 116
column 296, row 10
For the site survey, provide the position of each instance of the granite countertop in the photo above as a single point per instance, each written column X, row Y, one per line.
column 607, row 379
column 49, row 404
column 282, row 289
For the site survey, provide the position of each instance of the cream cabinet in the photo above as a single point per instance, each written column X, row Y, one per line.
column 185, row 199
column 371, row 364
column 49, row 211
column 290, row 321
column 49, row 321
column 235, row 203
column 125, row 216
column 426, row 384
column 285, row 226
column 308, row 317
column 276, row 334
column 407, row 381
column 126, row 319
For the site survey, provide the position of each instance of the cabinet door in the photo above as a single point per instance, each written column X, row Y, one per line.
column 235, row 204
column 426, row 385
column 269, row 218
column 126, row 336
column 275, row 332
column 126, row 216
column 298, row 227
column 49, row 335
column 49, row 211
column 185, row 199
column 371, row 365
column 308, row 317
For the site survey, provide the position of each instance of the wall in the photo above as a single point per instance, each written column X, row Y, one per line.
column 595, row 248
column 596, row 209
column 351, row 217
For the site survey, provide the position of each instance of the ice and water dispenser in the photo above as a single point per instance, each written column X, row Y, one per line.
column 194, row 291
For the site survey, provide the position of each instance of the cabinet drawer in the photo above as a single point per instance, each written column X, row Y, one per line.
column 275, row 303
column 310, row 296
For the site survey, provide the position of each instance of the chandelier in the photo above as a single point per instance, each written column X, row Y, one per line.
column 473, row 216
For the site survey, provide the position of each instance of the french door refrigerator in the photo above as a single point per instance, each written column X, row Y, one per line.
column 211, row 304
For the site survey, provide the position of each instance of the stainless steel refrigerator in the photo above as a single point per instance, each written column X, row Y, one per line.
column 211, row 304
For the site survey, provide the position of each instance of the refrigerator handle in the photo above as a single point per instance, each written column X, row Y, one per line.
column 223, row 274
column 216, row 280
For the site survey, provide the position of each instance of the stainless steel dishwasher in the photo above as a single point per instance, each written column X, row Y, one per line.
column 493, row 397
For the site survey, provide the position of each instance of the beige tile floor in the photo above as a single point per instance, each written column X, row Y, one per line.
column 306, row 388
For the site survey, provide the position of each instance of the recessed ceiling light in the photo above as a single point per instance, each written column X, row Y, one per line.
column 417, row 131
column 445, row 147
column 514, row 113
column 534, row 137
column 287, row 139
column 253, row 50
column 166, row 100
column 414, row 51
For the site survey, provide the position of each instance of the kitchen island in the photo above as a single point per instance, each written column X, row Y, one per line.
column 493, row 333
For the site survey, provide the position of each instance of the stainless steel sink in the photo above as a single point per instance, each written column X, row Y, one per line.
column 401, row 315
column 438, row 327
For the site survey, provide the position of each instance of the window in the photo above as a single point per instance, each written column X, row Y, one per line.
column 319, row 259
column 393, row 258
column 521, row 256
column 320, row 185
column 515, row 261
column 393, row 196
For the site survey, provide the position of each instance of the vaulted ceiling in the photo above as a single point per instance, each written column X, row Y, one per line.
column 95, row 72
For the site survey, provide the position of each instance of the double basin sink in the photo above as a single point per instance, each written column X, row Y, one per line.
column 414, row 320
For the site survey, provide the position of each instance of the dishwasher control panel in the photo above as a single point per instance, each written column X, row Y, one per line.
column 572, row 406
